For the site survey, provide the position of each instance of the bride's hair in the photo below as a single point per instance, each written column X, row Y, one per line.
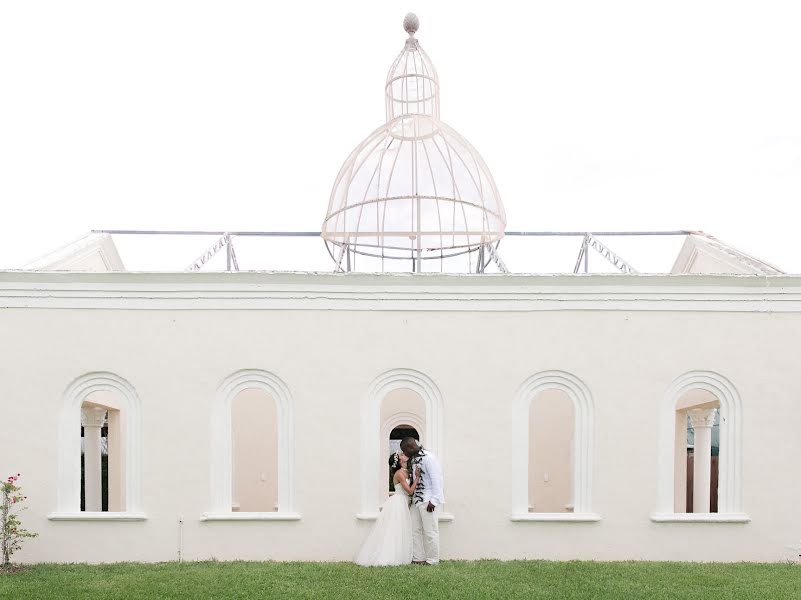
column 394, row 463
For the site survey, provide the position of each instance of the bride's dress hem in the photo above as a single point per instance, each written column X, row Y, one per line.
column 389, row 543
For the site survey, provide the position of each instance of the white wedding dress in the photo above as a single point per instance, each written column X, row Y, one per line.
column 390, row 539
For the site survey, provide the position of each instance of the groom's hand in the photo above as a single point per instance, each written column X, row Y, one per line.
column 430, row 507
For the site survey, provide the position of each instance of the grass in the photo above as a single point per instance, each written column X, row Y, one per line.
column 480, row 579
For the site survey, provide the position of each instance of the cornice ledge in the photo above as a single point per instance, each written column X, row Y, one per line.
column 742, row 293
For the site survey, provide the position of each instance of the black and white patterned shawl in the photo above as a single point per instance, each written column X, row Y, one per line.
column 419, row 491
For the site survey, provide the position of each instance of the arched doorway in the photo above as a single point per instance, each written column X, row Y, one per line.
column 402, row 415
column 397, row 435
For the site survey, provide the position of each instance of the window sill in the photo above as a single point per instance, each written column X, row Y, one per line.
column 700, row 518
column 557, row 517
column 443, row 517
column 96, row 516
column 250, row 516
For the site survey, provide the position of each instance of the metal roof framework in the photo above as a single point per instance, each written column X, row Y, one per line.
column 487, row 254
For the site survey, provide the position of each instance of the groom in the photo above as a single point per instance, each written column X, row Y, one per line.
column 426, row 501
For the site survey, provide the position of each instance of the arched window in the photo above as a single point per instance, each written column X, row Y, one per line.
column 553, row 442
column 251, row 449
column 700, row 451
column 697, row 450
column 401, row 398
column 99, row 456
column 102, row 462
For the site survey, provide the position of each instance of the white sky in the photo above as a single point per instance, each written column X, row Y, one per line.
column 237, row 115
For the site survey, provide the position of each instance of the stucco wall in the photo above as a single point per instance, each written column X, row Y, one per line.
column 627, row 357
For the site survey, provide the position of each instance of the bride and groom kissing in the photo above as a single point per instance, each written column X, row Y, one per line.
column 407, row 528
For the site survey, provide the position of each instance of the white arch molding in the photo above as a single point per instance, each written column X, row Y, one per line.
column 221, row 447
column 583, row 446
column 400, row 419
column 69, row 456
column 730, row 508
column 371, row 434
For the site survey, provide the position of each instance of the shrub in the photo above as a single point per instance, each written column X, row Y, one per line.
column 12, row 534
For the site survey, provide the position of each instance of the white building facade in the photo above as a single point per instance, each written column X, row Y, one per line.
column 344, row 358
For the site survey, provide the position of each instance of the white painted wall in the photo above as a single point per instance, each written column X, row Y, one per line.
column 329, row 338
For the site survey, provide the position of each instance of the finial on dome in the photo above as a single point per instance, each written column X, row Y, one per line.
column 411, row 24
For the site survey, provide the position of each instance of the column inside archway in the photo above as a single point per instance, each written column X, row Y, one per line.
column 702, row 419
column 92, row 419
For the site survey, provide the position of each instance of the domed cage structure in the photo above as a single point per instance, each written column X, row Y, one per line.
column 414, row 189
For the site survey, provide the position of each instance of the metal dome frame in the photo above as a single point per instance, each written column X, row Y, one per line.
column 414, row 188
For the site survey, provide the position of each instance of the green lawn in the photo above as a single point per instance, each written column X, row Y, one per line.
column 482, row 579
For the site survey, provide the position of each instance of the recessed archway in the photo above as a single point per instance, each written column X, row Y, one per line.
column 730, row 458
column 402, row 415
column 89, row 400
column 374, row 431
column 222, row 446
column 583, row 446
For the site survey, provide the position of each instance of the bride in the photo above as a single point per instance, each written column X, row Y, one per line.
column 390, row 540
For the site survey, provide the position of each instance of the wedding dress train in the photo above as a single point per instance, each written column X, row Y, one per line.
column 390, row 540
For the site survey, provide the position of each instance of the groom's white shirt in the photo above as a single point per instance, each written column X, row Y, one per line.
column 432, row 479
